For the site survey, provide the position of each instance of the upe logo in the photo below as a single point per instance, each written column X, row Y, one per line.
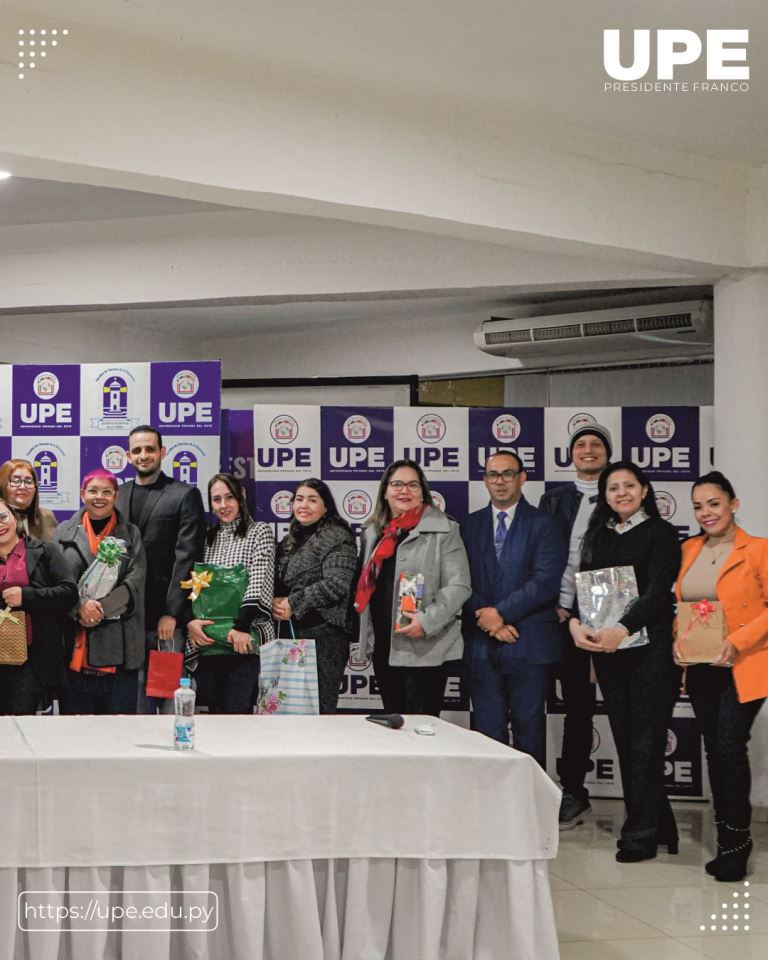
column 580, row 420
column 356, row 429
column 114, row 399
column 357, row 504
column 185, row 384
column 666, row 503
column 114, row 459
column 46, row 385
column 281, row 504
column 185, row 466
column 671, row 743
column 431, row 428
column 47, row 470
column 595, row 741
column 677, row 48
column 284, row 429
column 660, row 428
column 439, row 500
column 506, row 428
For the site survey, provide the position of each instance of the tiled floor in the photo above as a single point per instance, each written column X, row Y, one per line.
column 655, row 910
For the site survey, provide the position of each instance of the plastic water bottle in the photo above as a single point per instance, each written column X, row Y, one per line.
column 184, row 723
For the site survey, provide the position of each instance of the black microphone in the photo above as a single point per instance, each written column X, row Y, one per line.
column 392, row 720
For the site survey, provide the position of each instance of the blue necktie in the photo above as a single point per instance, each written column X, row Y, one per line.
column 501, row 533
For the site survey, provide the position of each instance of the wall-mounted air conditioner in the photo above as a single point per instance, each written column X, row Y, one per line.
column 661, row 331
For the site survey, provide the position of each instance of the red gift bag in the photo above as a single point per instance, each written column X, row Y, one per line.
column 164, row 673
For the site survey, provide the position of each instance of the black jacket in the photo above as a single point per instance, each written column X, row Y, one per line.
column 50, row 594
column 563, row 504
column 172, row 526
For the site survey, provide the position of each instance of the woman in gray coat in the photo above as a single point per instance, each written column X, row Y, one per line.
column 103, row 638
column 408, row 538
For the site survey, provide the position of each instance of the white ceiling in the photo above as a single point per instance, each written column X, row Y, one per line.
column 27, row 201
column 542, row 59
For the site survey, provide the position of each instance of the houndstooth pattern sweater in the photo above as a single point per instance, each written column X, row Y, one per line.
column 256, row 551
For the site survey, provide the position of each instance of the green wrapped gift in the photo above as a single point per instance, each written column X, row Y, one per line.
column 217, row 594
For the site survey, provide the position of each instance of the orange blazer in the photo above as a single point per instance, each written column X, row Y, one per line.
column 742, row 589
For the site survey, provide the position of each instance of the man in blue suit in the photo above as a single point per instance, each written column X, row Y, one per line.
column 516, row 557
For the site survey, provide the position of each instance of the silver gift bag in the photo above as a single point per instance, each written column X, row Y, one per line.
column 605, row 596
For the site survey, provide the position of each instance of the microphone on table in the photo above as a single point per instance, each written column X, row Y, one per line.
column 392, row 720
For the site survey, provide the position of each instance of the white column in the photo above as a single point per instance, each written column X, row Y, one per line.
column 741, row 393
column 741, row 438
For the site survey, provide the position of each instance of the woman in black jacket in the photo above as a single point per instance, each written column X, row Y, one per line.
column 34, row 579
column 316, row 568
column 639, row 684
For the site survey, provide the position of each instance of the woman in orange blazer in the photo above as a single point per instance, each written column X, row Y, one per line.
column 724, row 563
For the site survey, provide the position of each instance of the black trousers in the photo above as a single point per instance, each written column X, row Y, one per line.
column 408, row 689
column 20, row 690
column 725, row 726
column 100, row 693
column 579, row 697
column 226, row 683
column 639, row 689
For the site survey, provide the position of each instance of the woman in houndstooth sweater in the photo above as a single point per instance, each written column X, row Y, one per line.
column 226, row 682
column 316, row 571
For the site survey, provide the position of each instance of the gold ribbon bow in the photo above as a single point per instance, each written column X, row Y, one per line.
column 197, row 582
column 7, row 614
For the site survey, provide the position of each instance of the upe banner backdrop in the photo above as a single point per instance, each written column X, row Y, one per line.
column 67, row 419
column 273, row 447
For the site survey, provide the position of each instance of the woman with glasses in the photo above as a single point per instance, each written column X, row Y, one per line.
column 315, row 574
column 18, row 487
column 36, row 590
column 409, row 546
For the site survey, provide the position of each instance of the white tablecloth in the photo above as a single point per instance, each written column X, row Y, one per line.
column 324, row 837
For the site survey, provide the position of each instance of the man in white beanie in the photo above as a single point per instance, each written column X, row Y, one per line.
column 572, row 505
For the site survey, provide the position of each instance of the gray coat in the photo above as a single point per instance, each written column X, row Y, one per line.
column 433, row 548
column 113, row 641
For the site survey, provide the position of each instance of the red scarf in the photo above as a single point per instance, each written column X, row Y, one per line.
column 79, row 659
column 384, row 549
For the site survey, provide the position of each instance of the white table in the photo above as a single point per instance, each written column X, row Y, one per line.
column 323, row 838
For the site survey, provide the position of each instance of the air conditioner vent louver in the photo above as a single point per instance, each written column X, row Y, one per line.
column 604, row 328
column 508, row 336
column 543, row 341
column 560, row 332
column 674, row 321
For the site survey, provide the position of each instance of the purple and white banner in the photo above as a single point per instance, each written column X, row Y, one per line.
column 67, row 419
column 272, row 448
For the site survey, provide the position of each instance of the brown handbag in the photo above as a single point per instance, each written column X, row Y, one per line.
column 13, row 637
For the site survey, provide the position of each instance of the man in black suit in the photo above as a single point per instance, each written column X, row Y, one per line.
column 171, row 519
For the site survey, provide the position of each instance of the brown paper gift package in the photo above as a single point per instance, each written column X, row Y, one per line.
column 700, row 632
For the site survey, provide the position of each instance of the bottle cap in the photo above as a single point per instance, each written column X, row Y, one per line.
column 185, row 682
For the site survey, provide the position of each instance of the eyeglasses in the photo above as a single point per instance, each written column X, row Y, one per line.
column 5, row 517
column 21, row 482
column 494, row 475
column 410, row 484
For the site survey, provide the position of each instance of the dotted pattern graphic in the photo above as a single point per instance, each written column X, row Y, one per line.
column 739, row 915
column 34, row 45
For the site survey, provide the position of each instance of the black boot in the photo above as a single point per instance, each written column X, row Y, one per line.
column 731, row 865
column 711, row 867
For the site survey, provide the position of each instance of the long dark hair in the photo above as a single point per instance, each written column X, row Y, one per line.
column 296, row 530
column 603, row 513
column 381, row 513
column 236, row 489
